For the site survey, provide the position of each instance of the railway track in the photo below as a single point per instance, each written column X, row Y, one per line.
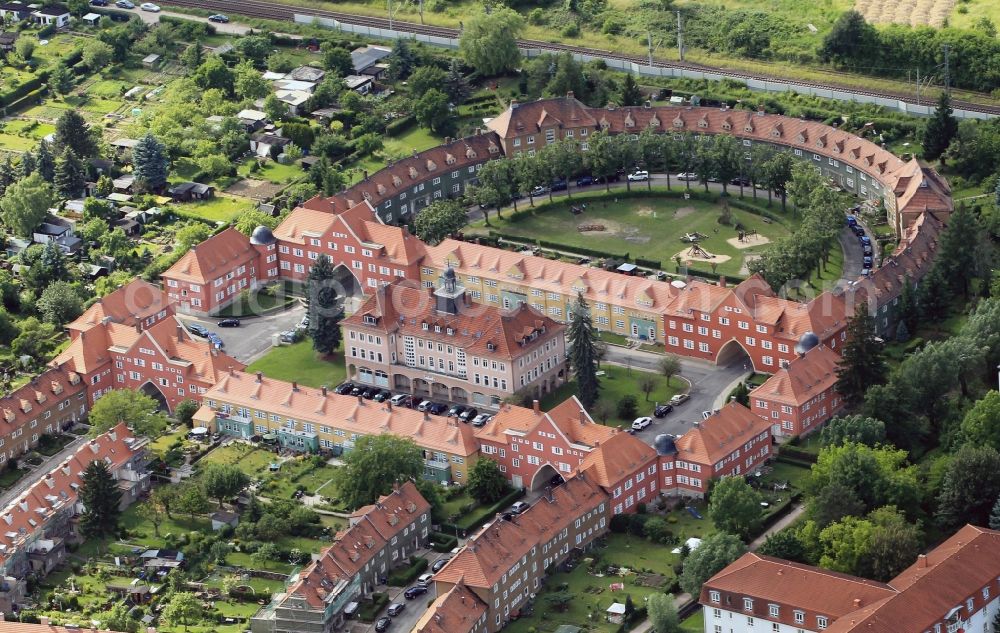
column 285, row 12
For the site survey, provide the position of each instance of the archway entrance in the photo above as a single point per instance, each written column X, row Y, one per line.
column 733, row 353
column 350, row 284
column 151, row 390
column 542, row 477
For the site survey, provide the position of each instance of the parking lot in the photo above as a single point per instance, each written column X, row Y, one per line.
column 253, row 337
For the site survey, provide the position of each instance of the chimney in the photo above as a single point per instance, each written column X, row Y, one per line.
column 583, row 416
column 138, row 327
column 361, row 399
column 922, row 561
column 427, row 415
column 722, row 281
column 536, row 407
column 43, row 620
column 569, row 94
column 323, row 390
column 295, row 386
column 260, row 376
column 365, row 172
column 513, row 104
column 388, row 406
column 180, row 331
column 857, row 603
column 447, row 140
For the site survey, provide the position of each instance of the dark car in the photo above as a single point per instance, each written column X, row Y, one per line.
column 584, row 181
column 413, row 592
column 382, row 395
column 99, row 3
column 556, row 480
column 468, row 414
column 215, row 340
column 218, row 17
column 229, row 323
column 382, row 624
column 439, row 565
column 370, row 393
column 559, row 185
column 858, row 230
column 865, row 240
column 867, row 262
column 740, row 181
column 198, row 330
column 357, row 390
column 343, row 389
column 852, row 221
column 662, row 410
column 437, row 408
column 867, row 248
column 456, row 410
column 396, row 608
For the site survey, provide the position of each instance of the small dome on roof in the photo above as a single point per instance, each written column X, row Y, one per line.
column 664, row 444
column 806, row 342
column 262, row 236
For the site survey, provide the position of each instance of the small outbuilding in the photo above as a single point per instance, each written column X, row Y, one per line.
column 222, row 518
column 92, row 19
column 151, row 61
column 616, row 613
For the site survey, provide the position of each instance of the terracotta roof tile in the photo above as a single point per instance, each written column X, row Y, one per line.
column 569, row 416
column 134, row 302
column 457, row 611
column 215, row 256
column 615, row 459
column 803, row 379
column 716, row 437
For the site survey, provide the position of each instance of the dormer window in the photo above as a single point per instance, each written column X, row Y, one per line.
column 747, row 604
column 437, row 328
column 678, row 122
column 370, row 320
column 703, row 123
column 491, row 347
column 425, row 326
column 748, row 128
column 450, row 332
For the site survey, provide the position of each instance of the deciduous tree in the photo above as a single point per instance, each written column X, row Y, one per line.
column 438, row 220
column 134, row 408
column 734, row 507
column 486, row 483
column 970, row 487
column 374, row 464
column 431, row 110
column 25, row 203
column 715, row 552
column 853, row 428
column 224, row 481
column 183, row 608
column 489, row 40
column 59, row 303
column 663, row 612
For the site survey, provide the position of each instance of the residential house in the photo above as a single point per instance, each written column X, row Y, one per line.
column 306, row 419
column 381, row 537
column 48, row 404
column 532, row 446
column 801, row 396
column 38, row 523
column 14, row 11
column 52, row 15
column 730, row 441
column 626, row 468
column 458, row 610
column 213, row 274
column 505, row 562
column 954, row 587
column 438, row 344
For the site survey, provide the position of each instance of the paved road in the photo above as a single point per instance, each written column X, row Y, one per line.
column 253, row 338
column 37, row 472
column 149, row 17
column 852, row 254
column 709, row 384
column 407, row 620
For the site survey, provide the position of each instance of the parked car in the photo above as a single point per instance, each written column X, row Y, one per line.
column 638, row 176
column 858, row 230
column 99, row 3
column 425, row 405
column 357, row 390
column 218, row 17
column 468, row 414
column 640, row 423
column 865, row 240
column 539, row 191
column 382, row 395
column 740, row 181
column 287, row 337
column 425, row 579
column 867, row 249
column 382, row 624
column 229, row 323
column 852, row 221
column 680, row 398
column 437, row 408
column 398, row 399
column 215, row 340
column 304, row 323
column 456, row 410
column 414, row 591
column 370, row 393
column 584, row 181
column 556, row 480
column 343, row 388
column 149, row 6
column 662, row 410
column 439, row 564
column 395, row 608
column 867, row 262
column 686, row 175
column 559, row 185
column 413, row 402
column 481, row 420
column 519, row 507
column 124, row 4
column 198, row 330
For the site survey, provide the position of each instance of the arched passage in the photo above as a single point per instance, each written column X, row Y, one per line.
column 151, row 390
column 732, row 353
column 542, row 477
column 350, row 285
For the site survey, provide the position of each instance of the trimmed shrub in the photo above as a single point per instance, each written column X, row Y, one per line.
column 405, row 575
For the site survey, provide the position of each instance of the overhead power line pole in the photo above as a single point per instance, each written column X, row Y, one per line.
column 680, row 38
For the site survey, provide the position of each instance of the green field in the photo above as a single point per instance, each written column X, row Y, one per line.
column 646, row 227
column 299, row 363
column 216, row 209
column 271, row 171
column 695, row 623
column 616, row 383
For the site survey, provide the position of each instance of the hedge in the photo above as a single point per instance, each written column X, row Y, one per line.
column 24, row 89
column 481, row 515
column 648, row 263
column 29, row 99
column 400, row 125
column 195, row 25
column 781, row 510
column 795, row 462
column 369, row 610
column 443, row 543
column 795, row 454
column 405, row 575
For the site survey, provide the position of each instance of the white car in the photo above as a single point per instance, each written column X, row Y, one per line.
column 398, row 399
column 481, row 419
column 149, row 6
column 680, row 398
column 641, row 423
column 638, row 176
column 425, row 579
column 686, row 175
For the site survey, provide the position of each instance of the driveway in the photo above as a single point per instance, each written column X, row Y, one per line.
column 709, row 386
column 853, row 254
column 407, row 620
column 252, row 338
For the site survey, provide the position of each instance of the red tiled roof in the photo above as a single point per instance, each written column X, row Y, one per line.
column 615, row 459
column 456, row 611
column 803, row 379
column 132, row 303
column 569, row 416
column 716, row 437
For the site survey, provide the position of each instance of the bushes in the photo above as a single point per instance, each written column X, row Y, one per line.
column 400, row 125
column 23, row 90
column 405, row 575
column 443, row 543
column 478, row 516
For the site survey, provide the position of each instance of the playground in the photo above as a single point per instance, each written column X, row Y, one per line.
column 705, row 234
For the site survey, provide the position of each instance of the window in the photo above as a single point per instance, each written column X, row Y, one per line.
column 821, row 621
column 747, row 604
column 713, row 596
column 773, row 610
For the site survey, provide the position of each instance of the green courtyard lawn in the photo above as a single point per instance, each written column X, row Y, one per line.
column 416, row 139
column 219, row 208
column 695, row 623
column 299, row 363
column 163, row 443
column 281, row 484
column 616, row 383
column 10, row 476
column 261, row 301
column 644, row 226
column 271, row 171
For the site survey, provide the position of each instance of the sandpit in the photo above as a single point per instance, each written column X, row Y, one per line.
column 749, row 241
column 598, row 225
column 714, row 259
column 683, row 212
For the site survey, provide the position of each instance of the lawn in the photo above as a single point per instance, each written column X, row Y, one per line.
column 271, row 171
column 823, row 277
column 416, row 139
column 650, row 228
column 163, row 443
column 217, row 209
column 695, row 623
column 294, row 472
column 259, row 302
column 299, row 363
column 9, row 477
column 616, row 383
